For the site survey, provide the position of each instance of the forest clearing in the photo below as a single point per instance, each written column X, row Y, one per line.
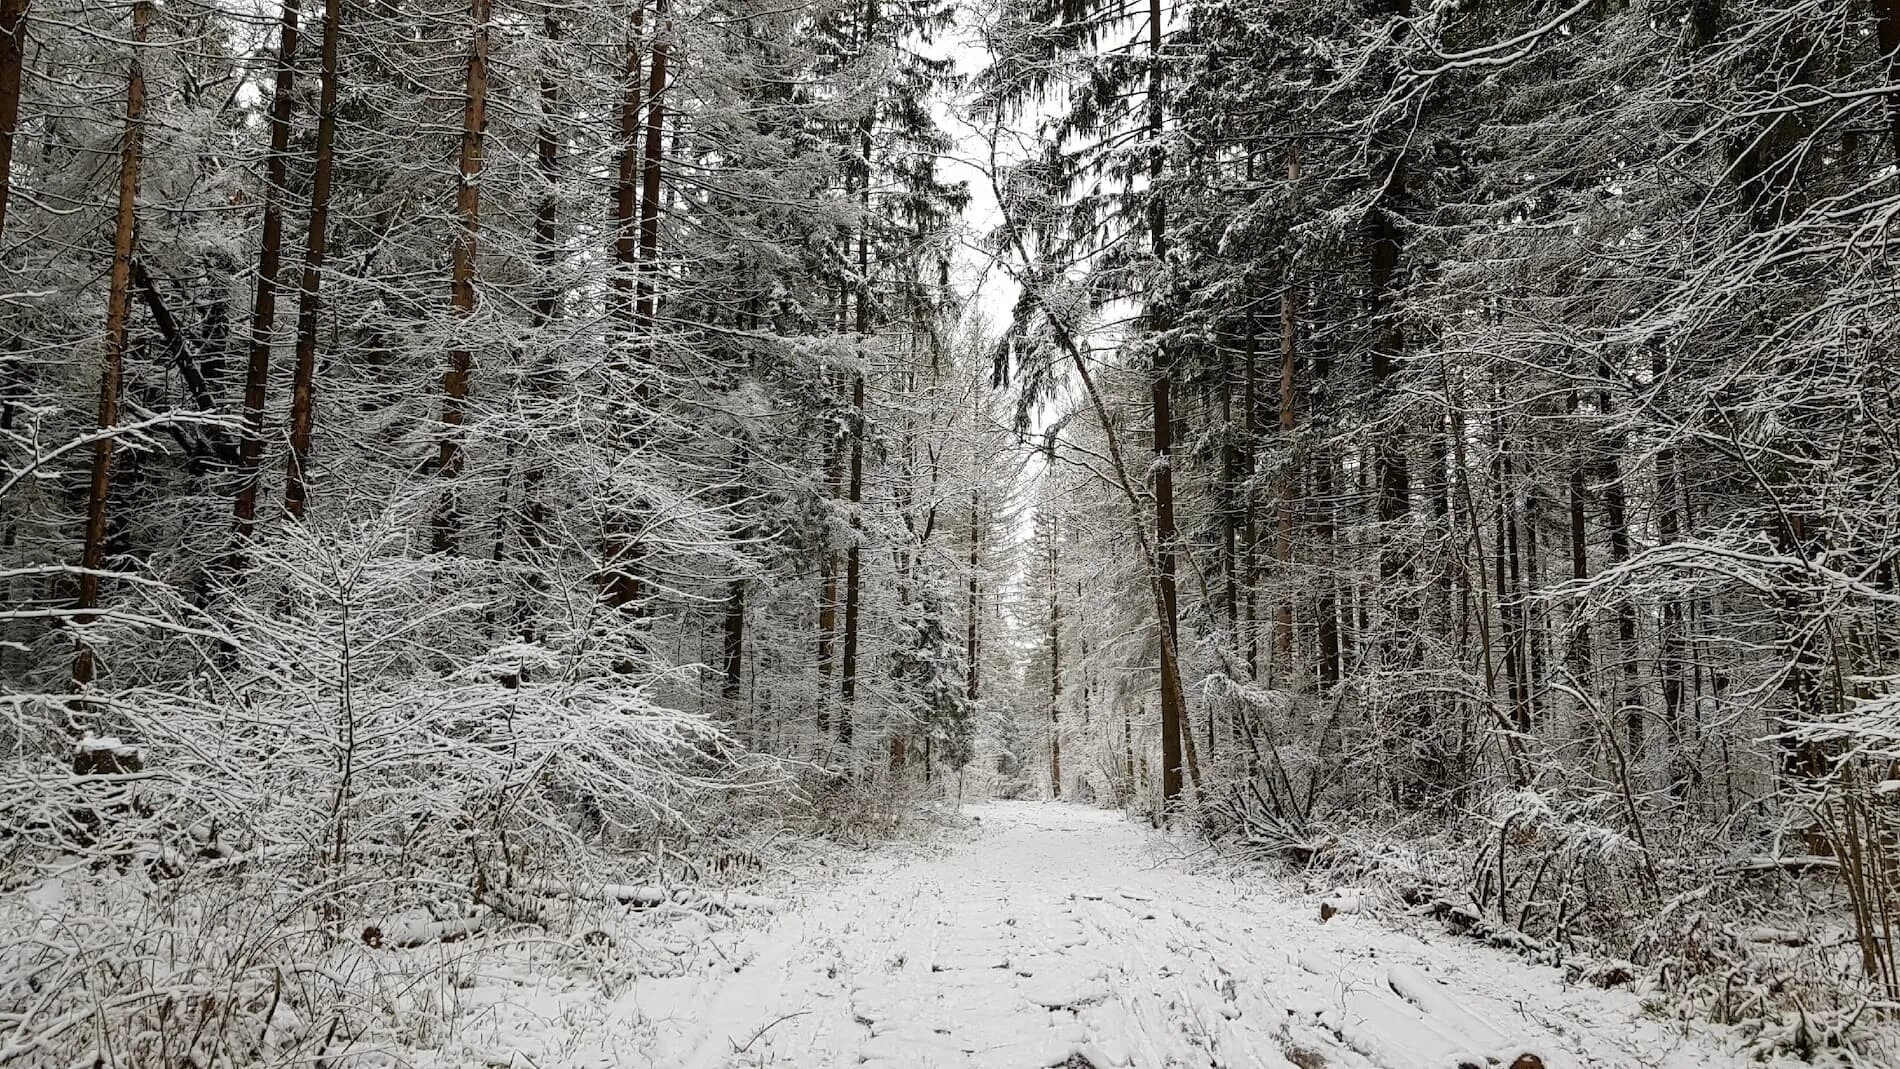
column 1007, row 533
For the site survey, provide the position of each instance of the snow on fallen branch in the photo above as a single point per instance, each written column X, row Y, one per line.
column 648, row 895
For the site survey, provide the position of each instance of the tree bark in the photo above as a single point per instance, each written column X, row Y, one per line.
column 828, row 597
column 650, row 168
column 1580, row 652
column 13, row 23
column 1289, row 363
column 316, row 248
column 848, row 688
column 971, row 640
column 1670, row 666
column 1249, row 532
column 626, row 206
column 468, row 209
column 269, row 260
column 1173, row 713
column 1887, row 36
column 732, row 637
column 1055, row 671
column 1627, row 698
column 112, row 369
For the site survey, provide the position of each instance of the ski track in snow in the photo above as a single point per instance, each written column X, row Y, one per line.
column 1058, row 931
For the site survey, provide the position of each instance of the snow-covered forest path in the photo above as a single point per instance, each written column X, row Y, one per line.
column 1060, row 936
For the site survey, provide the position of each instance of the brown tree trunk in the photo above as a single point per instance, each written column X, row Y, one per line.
column 1385, row 242
column 1580, row 652
column 118, row 309
column 269, row 260
column 1230, row 503
column 848, row 689
column 468, row 209
column 626, row 206
column 1670, row 644
column 1249, row 449
column 733, row 633
column 1887, row 34
column 1055, row 671
column 12, row 68
column 1627, row 699
column 1173, row 715
column 970, row 644
column 316, row 246
column 1283, row 535
column 828, row 597
column 650, row 167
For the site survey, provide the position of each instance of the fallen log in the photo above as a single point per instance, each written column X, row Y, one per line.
column 408, row 934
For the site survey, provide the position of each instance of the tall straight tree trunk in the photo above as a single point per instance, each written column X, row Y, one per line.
column 468, row 210
column 118, row 310
column 12, row 67
column 1323, row 507
column 1627, row 698
column 626, row 205
column 269, row 260
column 1670, row 667
column 1289, row 362
column 828, row 597
column 1887, row 36
column 650, row 167
column 1579, row 654
column 1230, row 503
column 316, row 247
column 972, row 624
column 619, row 583
column 1249, row 448
column 1394, row 476
column 1055, row 671
column 547, row 167
column 732, row 644
column 848, row 689
column 1173, row 715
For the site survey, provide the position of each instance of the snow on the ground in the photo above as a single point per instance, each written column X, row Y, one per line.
column 1058, row 936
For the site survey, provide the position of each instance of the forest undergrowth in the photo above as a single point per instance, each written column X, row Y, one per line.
column 1613, row 889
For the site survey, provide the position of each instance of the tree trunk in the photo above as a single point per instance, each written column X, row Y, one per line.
column 1055, row 671
column 1670, row 667
column 316, row 246
column 626, row 206
column 650, row 167
column 269, row 260
column 12, row 68
column 828, row 597
column 1283, row 535
column 1230, row 505
column 118, row 308
column 1173, row 714
column 733, row 633
column 1385, row 241
column 970, row 645
column 1580, row 652
column 1887, row 34
column 1249, row 449
column 1627, row 699
column 848, row 689
column 468, row 208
